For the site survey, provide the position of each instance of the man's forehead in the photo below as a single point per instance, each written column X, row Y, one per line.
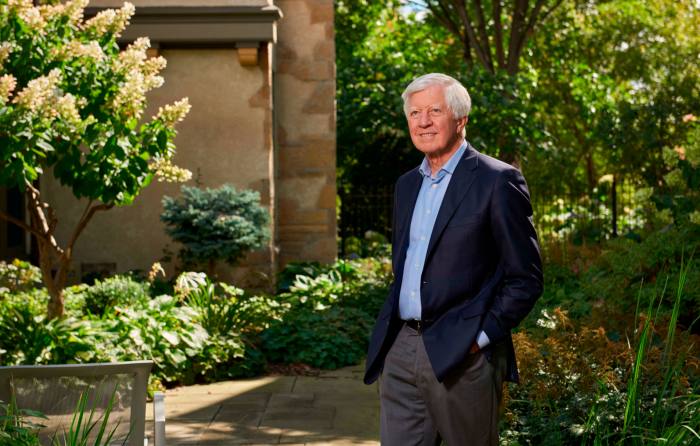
column 432, row 95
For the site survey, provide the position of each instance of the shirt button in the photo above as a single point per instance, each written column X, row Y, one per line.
column 413, row 293
column 428, row 211
column 434, row 185
column 422, row 237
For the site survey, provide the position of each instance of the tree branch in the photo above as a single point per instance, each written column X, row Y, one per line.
column 82, row 223
column 443, row 16
column 517, row 32
column 41, row 227
column 533, row 16
column 18, row 222
column 546, row 14
column 481, row 54
column 498, row 32
column 481, row 20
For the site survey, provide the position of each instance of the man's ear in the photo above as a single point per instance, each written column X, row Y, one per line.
column 461, row 123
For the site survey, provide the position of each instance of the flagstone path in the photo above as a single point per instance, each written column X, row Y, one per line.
column 334, row 408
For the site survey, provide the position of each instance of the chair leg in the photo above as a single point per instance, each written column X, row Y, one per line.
column 159, row 419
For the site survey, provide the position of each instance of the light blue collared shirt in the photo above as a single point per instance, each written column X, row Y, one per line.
column 430, row 196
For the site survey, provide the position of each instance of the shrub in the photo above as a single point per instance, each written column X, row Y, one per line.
column 18, row 276
column 160, row 330
column 28, row 337
column 331, row 313
column 115, row 291
column 579, row 385
column 215, row 224
column 226, row 312
column 361, row 284
column 328, row 339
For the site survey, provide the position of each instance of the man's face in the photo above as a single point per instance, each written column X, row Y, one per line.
column 434, row 131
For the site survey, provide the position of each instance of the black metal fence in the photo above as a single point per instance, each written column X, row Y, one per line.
column 608, row 210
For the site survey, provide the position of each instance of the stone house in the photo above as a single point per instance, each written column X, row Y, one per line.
column 260, row 75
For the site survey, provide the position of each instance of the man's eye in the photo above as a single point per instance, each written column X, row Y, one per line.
column 436, row 111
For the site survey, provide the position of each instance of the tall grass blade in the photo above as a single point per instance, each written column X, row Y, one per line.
column 631, row 407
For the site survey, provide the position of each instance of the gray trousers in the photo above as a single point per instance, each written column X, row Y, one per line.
column 418, row 410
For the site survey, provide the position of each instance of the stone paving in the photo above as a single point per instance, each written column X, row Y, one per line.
column 334, row 408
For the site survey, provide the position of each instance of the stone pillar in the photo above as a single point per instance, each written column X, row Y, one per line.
column 306, row 137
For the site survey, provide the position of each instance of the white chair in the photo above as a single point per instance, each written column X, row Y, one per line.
column 55, row 390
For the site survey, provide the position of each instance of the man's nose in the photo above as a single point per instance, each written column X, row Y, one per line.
column 424, row 120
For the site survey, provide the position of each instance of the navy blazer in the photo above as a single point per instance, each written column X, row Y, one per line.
column 482, row 270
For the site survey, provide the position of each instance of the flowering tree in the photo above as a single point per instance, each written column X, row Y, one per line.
column 72, row 102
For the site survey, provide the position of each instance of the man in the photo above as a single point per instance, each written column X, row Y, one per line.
column 467, row 270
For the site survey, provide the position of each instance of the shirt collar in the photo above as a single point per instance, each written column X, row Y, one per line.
column 448, row 167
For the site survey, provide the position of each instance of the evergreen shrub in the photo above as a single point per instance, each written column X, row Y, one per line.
column 215, row 224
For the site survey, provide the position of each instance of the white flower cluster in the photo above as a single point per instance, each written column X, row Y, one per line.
column 174, row 113
column 67, row 107
column 76, row 49
column 188, row 282
column 153, row 65
column 26, row 11
column 141, row 76
column 42, row 98
column 73, row 9
column 7, row 86
column 37, row 17
column 167, row 172
column 5, row 50
column 111, row 20
column 38, row 92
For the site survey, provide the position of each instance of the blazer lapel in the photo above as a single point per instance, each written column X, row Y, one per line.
column 462, row 179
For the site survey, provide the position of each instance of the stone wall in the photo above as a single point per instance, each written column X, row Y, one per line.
column 305, row 106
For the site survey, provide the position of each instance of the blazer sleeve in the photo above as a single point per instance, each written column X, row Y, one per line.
column 516, row 241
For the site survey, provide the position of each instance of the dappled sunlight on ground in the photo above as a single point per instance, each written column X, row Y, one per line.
column 332, row 408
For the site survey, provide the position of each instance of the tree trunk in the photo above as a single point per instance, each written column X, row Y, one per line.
column 42, row 226
column 53, row 283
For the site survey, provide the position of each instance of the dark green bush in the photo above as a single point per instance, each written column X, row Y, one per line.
column 331, row 314
column 627, row 268
column 215, row 224
column 326, row 339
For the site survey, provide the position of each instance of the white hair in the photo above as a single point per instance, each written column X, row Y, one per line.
column 456, row 96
